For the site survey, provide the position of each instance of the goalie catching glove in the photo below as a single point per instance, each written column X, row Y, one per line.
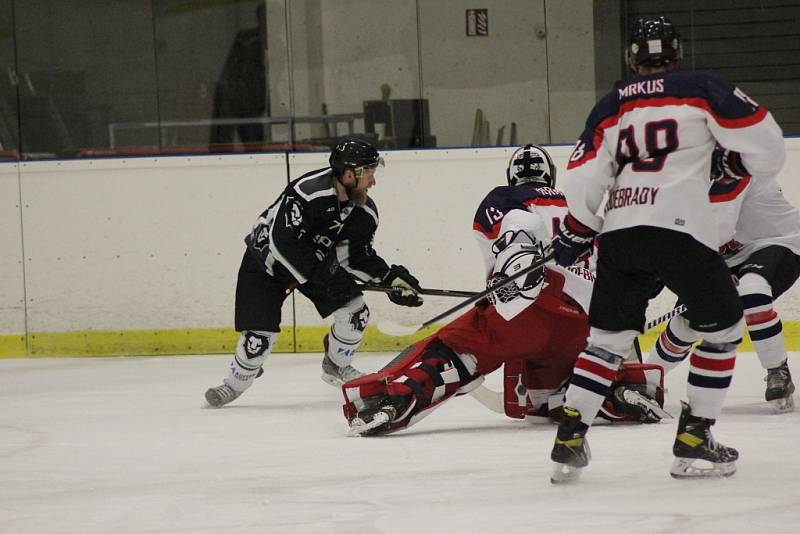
column 405, row 288
column 573, row 242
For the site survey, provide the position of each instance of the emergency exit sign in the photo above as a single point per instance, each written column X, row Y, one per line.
column 477, row 22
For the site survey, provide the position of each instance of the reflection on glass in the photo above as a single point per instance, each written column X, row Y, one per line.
column 83, row 67
column 173, row 76
column 9, row 117
column 241, row 91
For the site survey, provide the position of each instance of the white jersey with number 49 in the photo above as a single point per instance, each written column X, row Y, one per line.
column 648, row 144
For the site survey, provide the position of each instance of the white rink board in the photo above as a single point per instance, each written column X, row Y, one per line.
column 155, row 243
column 139, row 243
column 12, row 283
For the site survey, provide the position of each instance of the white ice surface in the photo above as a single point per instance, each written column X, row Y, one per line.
column 124, row 445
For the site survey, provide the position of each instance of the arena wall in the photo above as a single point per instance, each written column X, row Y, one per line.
column 138, row 256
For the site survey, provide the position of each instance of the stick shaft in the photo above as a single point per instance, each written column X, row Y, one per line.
column 425, row 291
column 678, row 310
column 478, row 296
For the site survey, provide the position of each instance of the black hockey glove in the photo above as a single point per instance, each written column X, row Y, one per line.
column 336, row 284
column 726, row 165
column 405, row 288
column 573, row 241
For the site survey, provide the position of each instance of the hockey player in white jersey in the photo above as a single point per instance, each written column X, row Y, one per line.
column 648, row 144
column 760, row 241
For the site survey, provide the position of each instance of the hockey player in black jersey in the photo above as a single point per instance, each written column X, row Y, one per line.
column 648, row 144
column 316, row 237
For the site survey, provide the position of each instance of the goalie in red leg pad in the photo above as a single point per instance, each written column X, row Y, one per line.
column 421, row 378
column 455, row 359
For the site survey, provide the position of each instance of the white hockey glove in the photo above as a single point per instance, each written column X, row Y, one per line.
column 405, row 287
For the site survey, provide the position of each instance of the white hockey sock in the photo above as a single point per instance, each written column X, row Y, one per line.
column 671, row 348
column 763, row 323
column 710, row 373
column 347, row 331
column 252, row 350
column 591, row 379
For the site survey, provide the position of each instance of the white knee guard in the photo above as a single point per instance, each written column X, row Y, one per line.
column 616, row 343
column 728, row 336
column 673, row 345
column 763, row 322
column 252, row 350
column 679, row 326
column 347, row 331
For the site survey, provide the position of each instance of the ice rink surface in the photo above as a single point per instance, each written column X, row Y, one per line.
column 124, row 445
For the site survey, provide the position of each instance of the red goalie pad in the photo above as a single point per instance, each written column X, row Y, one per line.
column 420, row 379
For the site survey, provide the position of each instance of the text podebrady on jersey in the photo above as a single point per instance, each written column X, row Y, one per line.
column 630, row 196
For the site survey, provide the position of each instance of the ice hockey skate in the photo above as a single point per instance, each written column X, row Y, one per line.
column 780, row 388
column 571, row 449
column 333, row 374
column 221, row 395
column 695, row 442
column 371, row 420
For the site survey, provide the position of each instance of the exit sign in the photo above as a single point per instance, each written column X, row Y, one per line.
column 477, row 22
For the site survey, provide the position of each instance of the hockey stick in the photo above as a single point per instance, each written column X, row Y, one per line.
column 394, row 329
column 424, row 291
column 494, row 399
column 674, row 312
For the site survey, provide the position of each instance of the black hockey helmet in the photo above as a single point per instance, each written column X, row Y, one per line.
column 531, row 164
column 354, row 154
column 654, row 42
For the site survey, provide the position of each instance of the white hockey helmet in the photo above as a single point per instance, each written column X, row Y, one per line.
column 531, row 164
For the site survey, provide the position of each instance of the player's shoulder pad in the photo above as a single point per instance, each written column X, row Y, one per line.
column 371, row 209
column 728, row 104
column 606, row 107
column 314, row 184
column 518, row 196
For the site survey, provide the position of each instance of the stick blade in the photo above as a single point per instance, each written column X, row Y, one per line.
column 390, row 328
column 490, row 399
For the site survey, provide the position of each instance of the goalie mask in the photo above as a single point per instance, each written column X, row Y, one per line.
column 531, row 164
column 518, row 251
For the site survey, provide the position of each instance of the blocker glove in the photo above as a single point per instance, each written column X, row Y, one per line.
column 573, row 241
column 405, row 288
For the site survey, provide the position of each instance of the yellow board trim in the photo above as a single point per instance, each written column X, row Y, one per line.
column 223, row 341
column 179, row 341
